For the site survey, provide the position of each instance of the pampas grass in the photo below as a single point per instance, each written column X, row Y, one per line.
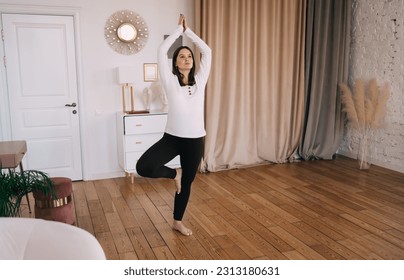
column 380, row 110
column 371, row 101
column 359, row 100
column 365, row 107
column 349, row 105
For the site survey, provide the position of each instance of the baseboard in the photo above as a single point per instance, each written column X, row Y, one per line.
column 102, row 176
column 375, row 162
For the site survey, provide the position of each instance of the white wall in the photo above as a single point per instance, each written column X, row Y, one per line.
column 100, row 92
column 377, row 51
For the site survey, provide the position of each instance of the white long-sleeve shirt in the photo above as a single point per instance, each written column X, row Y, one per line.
column 185, row 111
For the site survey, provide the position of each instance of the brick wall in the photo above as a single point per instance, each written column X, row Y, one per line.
column 377, row 51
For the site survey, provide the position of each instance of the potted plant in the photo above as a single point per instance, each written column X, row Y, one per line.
column 15, row 185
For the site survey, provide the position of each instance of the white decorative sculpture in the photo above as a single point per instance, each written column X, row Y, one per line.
column 153, row 93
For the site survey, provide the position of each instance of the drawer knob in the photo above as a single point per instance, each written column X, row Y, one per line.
column 139, row 124
column 139, row 142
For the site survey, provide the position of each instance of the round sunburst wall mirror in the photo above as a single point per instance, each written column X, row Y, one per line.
column 126, row 32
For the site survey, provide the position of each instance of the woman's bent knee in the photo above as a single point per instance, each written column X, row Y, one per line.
column 142, row 169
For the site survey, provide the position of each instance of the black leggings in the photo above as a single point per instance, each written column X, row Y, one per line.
column 152, row 164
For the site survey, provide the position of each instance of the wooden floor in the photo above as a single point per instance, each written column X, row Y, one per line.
column 307, row 210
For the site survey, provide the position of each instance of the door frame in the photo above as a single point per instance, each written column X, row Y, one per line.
column 5, row 116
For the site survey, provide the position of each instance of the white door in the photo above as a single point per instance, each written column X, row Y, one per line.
column 42, row 88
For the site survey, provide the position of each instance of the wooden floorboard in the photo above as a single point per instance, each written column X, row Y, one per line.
column 325, row 209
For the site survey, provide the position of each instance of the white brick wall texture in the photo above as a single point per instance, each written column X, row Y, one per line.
column 377, row 51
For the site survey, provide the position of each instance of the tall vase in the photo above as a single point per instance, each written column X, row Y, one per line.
column 364, row 152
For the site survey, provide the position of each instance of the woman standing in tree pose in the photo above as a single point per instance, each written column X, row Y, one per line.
column 185, row 128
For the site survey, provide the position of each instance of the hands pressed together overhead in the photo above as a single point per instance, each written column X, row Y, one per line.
column 182, row 21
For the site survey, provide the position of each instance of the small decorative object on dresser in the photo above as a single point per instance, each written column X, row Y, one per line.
column 136, row 133
column 155, row 94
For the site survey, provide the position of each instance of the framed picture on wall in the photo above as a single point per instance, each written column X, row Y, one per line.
column 150, row 72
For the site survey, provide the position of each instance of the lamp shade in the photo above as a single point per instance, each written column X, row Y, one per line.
column 126, row 74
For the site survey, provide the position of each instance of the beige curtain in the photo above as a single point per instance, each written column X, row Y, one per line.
column 255, row 93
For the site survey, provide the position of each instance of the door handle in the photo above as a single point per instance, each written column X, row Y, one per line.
column 71, row 105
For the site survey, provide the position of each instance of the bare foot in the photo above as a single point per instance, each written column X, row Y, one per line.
column 178, row 180
column 179, row 226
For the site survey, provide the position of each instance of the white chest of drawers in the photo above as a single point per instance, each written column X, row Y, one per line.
column 136, row 133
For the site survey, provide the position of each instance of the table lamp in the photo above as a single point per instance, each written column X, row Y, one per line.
column 126, row 77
